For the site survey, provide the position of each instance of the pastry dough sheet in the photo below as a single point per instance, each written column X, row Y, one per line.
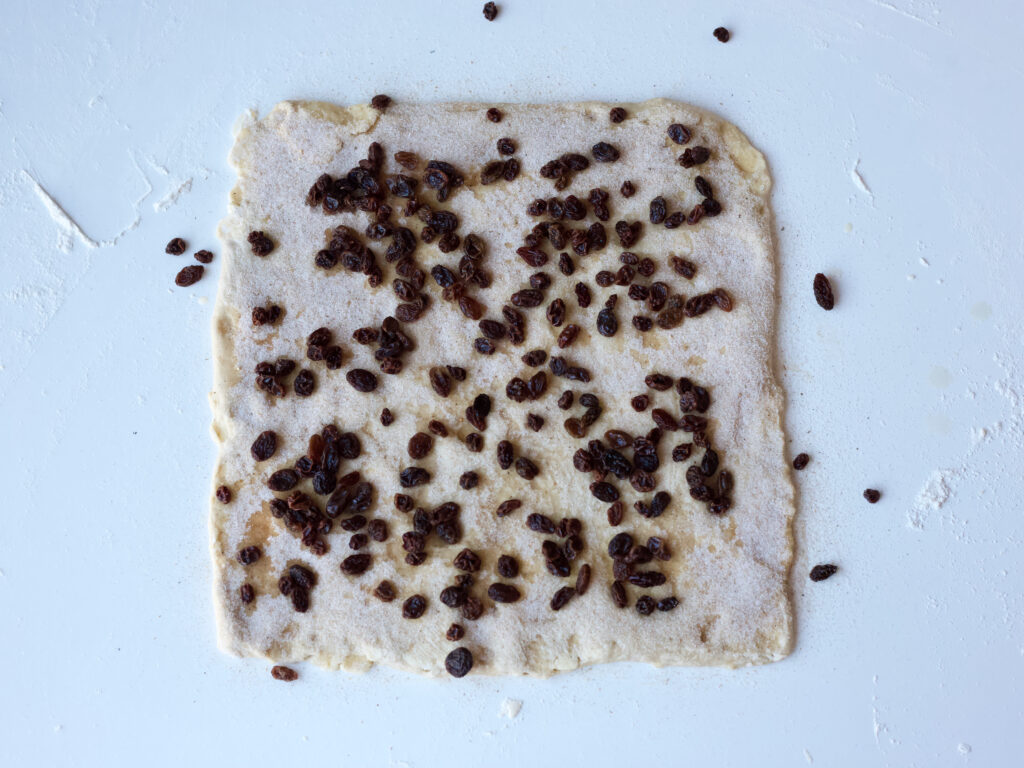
column 729, row 572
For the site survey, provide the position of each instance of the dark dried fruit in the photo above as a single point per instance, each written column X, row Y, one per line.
column 507, row 507
column 475, row 442
column 283, row 480
column 385, row 591
column 872, row 495
column 562, row 597
column 459, row 662
column 189, row 275
column 420, row 445
column 505, row 454
column 801, row 461
column 694, row 156
column 249, row 555
column 721, row 34
column 508, row 567
column 627, row 189
column 823, row 292
column 617, row 114
column 287, row 674
column 658, row 210
column 607, row 322
column 678, row 133
column 618, row 594
column 526, row 469
column 414, row 607
column 822, row 572
column 380, row 102
column 304, row 383
column 410, row 477
column 658, row 381
column 361, row 380
column 503, row 593
column 535, row 521
column 453, row 597
column 176, row 247
column 264, row 446
column 604, row 152
column 645, row 605
column 354, row 565
column 261, row 244
column 603, row 491
column 647, row 579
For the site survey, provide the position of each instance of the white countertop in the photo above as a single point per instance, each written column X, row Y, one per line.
column 892, row 131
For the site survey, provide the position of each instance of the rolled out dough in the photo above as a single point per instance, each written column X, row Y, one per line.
column 729, row 572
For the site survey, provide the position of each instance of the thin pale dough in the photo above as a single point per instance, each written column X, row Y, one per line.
column 729, row 572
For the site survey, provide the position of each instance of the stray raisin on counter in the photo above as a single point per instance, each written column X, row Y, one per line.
column 284, row 673
column 822, row 572
column 721, row 34
column 490, row 13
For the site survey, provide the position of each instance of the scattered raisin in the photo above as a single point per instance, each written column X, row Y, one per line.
column 617, row 114
column 822, row 572
column 189, row 275
column 823, row 292
column 176, row 247
column 414, row 607
column 380, row 102
column 508, row 567
column 721, row 34
column 287, row 674
column 459, row 662
column 801, row 461
column 872, row 495
column 503, row 593
column 354, row 565
column 627, row 189
column 493, row 114
column 361, row 380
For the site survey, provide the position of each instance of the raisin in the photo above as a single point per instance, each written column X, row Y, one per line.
column 562, row 597
column 658, row 210
column 286, row 674
column 505, row 454
column 823, row 292
column 582, row 295
column 304, row 383
column 453, row 597
column 605, row 492
column 721, row 34
column 283, row 480
column 261, row 244
column 459, row 662
column 420, row 445
column 507, row 507
column 189, row 275
column 361, row 380
column 469, row 480
column 410, row 477
column 604, row 152
column 607, row 323
column 528, row 297
column 647, row 579
column 354, row 565
column 176, row 247
column 680, row 134
column 264, row 446
column 822, row 572
column 801, row 461
column 615, row 513
column 618, row 594
column 414, row 607
column 249, row 555
column 380, row 102
column 526, row 469
column 508, row 567
column 872, row 495
column 474, row 442
column 535, row 521
column 617, row 114
column 503, row 593
column 694, row 156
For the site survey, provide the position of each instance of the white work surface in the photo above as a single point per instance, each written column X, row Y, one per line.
column 892, row 130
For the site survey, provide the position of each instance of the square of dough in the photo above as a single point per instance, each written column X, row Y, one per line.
column 728, row 571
